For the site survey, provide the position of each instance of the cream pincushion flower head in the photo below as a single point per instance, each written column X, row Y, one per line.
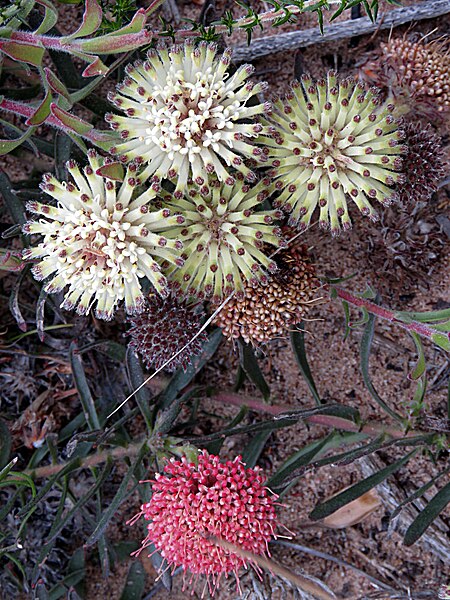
column 334, row 141
column 186, row 117
column 99, row 240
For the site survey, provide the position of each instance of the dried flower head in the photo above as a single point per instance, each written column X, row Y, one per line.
column 332, row 142
column 415, row 72
column 194, row 504
column 100, row 241
column 163, row 329
column 186, row 116
column 406, row 247
column 270, row 311
column 423, row 162
column 223, row 236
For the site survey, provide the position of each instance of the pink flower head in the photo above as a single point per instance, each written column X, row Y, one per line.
column 194, row 506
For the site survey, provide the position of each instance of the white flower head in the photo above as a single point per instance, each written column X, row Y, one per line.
column 333, row 141
column 100, row 239
column 187, row 117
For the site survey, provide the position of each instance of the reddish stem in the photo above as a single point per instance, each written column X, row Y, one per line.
column 370, row 429
column 28, row 110
column 385, row 313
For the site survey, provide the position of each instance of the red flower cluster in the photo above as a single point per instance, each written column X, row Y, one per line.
column 193, row 505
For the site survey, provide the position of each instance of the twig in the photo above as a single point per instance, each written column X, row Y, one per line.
column 293, row 40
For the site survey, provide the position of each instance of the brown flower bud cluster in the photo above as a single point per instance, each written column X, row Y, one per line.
column 416, row 72
column 269, row 311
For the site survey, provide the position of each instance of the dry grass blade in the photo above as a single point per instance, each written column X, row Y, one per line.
column 300, row 581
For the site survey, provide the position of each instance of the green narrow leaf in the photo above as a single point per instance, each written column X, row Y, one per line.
column 183, row 378
column 90, row 412
column 5, row 444
column 298, row 345
column 121, row 495
column 136, row 378
column 355, row 491
column 420, row 367
column 366, row 345
column 7, row 146
column 14, row 306
column 298, row 460
column 71, row 466
column 426, row 517
column 135, row 582
column 56, row 84
column 254, row 448
column 251, row 367
column 442, row 340
column 13, row 203
column 418, row 493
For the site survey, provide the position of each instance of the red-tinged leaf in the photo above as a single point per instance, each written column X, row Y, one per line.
column 42, row 111
column 27, row 53
column 113, row 44
column 92, row 19
column 56, row 84
column 71, row 121
column 10, row 260
column 96, row 67
column 114, row 171
column 135, row 25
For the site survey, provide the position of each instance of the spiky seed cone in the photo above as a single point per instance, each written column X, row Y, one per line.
column 99, row 241
column 416, row 72
column 193, row 504
column 223, row 236
column 424, row 163
column 186, row 117
column 268, row 312
column 333, row 141
column 163, row 329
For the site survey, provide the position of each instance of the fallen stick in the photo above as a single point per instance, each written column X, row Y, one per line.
column 293, row 40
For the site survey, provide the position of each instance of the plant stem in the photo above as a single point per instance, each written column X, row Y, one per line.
column 370, row 429
column 385, row 313
column 89, row 461
column 28, row 110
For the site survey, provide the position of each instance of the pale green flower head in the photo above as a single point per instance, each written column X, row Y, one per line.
column 333, row 142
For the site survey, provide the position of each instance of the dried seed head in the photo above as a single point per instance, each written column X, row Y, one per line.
column 193, row 503
column 344, row 145
column 269, row 311
column 98, row 242
column 163, row 329
column 417, row 73
column 188, row 114
column 222, row 235
column 423, row 164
